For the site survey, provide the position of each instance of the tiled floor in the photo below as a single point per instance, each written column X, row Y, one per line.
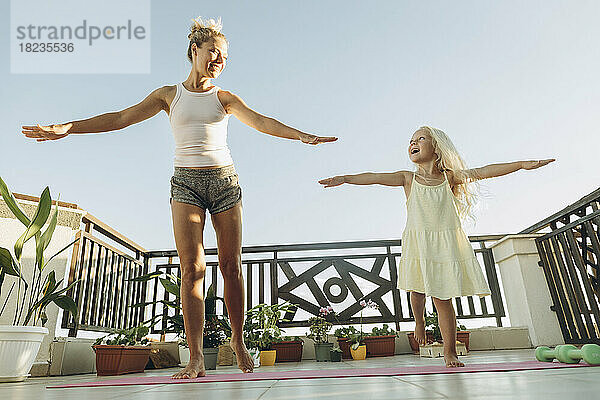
column 563, row 384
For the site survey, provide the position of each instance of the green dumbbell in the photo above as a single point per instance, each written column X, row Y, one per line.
column 546, row 354
column 590, row 353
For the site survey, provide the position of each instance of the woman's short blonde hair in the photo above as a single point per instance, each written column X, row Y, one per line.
column 203, row 30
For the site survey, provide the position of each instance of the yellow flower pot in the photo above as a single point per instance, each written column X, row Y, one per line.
column 360, row 353
column 267, row 357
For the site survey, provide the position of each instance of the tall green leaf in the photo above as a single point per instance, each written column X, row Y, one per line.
column 170, row 286
column 12, row 204
column 8, row 263
column 43, row 242
column 146, row 277
column 39, row 219
column 66, row 303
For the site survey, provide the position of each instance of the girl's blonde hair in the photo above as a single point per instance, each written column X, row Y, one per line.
column 448, row 159
column 202, row 30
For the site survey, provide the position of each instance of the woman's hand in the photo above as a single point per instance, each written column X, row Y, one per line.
column 331, row 182
column 48, row 132
column 313, row 139
column 536, row 163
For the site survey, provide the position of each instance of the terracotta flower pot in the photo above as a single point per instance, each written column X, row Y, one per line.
column 463, row 337
column 289, row 350
column 345, row 346
column 118, row 360
column 380, row 346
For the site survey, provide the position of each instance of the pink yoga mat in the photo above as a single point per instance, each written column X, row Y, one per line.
column 326, row 373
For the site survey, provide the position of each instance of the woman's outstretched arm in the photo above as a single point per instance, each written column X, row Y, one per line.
column 494, row 170
column 233, row 104
column 113, row 121
column 368, row 178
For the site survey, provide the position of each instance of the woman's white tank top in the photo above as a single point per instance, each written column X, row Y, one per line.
column 199, row 124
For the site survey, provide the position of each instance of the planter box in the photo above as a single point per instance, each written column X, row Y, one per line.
column 288, row 351
column 345, row 346
column 437, row 350
column 118, row 360
column 463, row 337
column 380, row 346
column 19, row 345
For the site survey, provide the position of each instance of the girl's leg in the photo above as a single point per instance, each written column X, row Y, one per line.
column 188, row 226
column 417, row 303
column 447, row 321
column 228, row 226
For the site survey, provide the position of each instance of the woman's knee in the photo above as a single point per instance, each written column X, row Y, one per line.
column 231, row 267
column 192, row 269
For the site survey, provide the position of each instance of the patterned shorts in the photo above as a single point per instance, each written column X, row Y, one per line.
column 215, row 189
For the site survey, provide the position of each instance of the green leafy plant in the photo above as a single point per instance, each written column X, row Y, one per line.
column 261, row 328
column 336, row 348
column 125, row 337
column 383, row 331
column 34, row 294
column 215, row 325
column 345, row 332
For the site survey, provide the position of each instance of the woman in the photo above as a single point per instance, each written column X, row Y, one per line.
column 204, row 178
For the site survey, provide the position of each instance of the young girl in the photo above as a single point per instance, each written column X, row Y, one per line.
column 437, row 258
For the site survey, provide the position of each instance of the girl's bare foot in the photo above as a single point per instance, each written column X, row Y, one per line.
column 452, row 361
column 244, row 359
column 420, row 332
column 194, row 369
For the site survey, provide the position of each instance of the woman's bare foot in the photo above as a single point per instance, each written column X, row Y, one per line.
column 244, row 359
column 194, row 369
column 452, row 361
column 420, row 332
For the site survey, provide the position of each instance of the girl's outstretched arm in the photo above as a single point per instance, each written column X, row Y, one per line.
column 112, row 121
column 397, row 178
column 233, row 104
column 494, row 170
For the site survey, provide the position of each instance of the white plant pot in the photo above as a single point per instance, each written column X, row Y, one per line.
column 184, row 356
column 19, row 345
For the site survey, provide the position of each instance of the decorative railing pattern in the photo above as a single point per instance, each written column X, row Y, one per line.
column 307, row 274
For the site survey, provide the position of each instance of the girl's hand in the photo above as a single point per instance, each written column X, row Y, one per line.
column 313, row 139
column 49, row 132
column 536, row 163
column 331, row 182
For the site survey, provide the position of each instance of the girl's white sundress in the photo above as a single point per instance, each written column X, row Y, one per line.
column 437, row 257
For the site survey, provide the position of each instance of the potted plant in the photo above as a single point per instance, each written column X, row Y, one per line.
column 343, row 336
column 381, row 342
column 336, row 354
column 31, row 291
column 319, row 328
column 261, row 329
column 358, row 349
column 434, row 334
column 122, row 352
column 289, row 349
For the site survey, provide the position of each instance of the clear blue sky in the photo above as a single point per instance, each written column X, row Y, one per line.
column 505, row 80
